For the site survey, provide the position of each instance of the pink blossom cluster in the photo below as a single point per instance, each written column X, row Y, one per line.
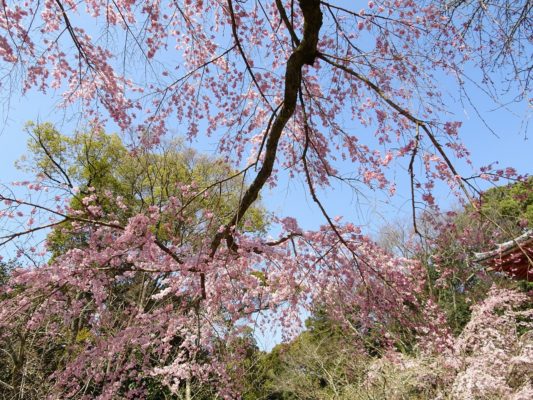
column 215, row 84
column 493, row 356
column 170, row 331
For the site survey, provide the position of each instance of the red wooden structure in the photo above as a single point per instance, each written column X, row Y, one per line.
column 514, row 257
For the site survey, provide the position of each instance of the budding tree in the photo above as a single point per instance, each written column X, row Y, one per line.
column 304, row 87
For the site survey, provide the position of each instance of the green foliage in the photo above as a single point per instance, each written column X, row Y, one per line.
column 510, row 207
column 100, row 164
column 315, row 365
column 5, row 270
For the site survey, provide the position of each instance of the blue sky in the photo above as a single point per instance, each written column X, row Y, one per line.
column 510, row 146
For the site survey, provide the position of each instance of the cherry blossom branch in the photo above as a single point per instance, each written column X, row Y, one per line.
column 8, row 238
column 287, row 23
column 267, row 130
column 186, row 76
column 283, row 239
column 73, row 35
column 304, row 54
column 241, row 51
column 326, row 215
column 410, row 169
column 358, row 15
column 52, row 159
column 67, row 217
column 402, row 111
column 313, row 193
column 128, row 28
